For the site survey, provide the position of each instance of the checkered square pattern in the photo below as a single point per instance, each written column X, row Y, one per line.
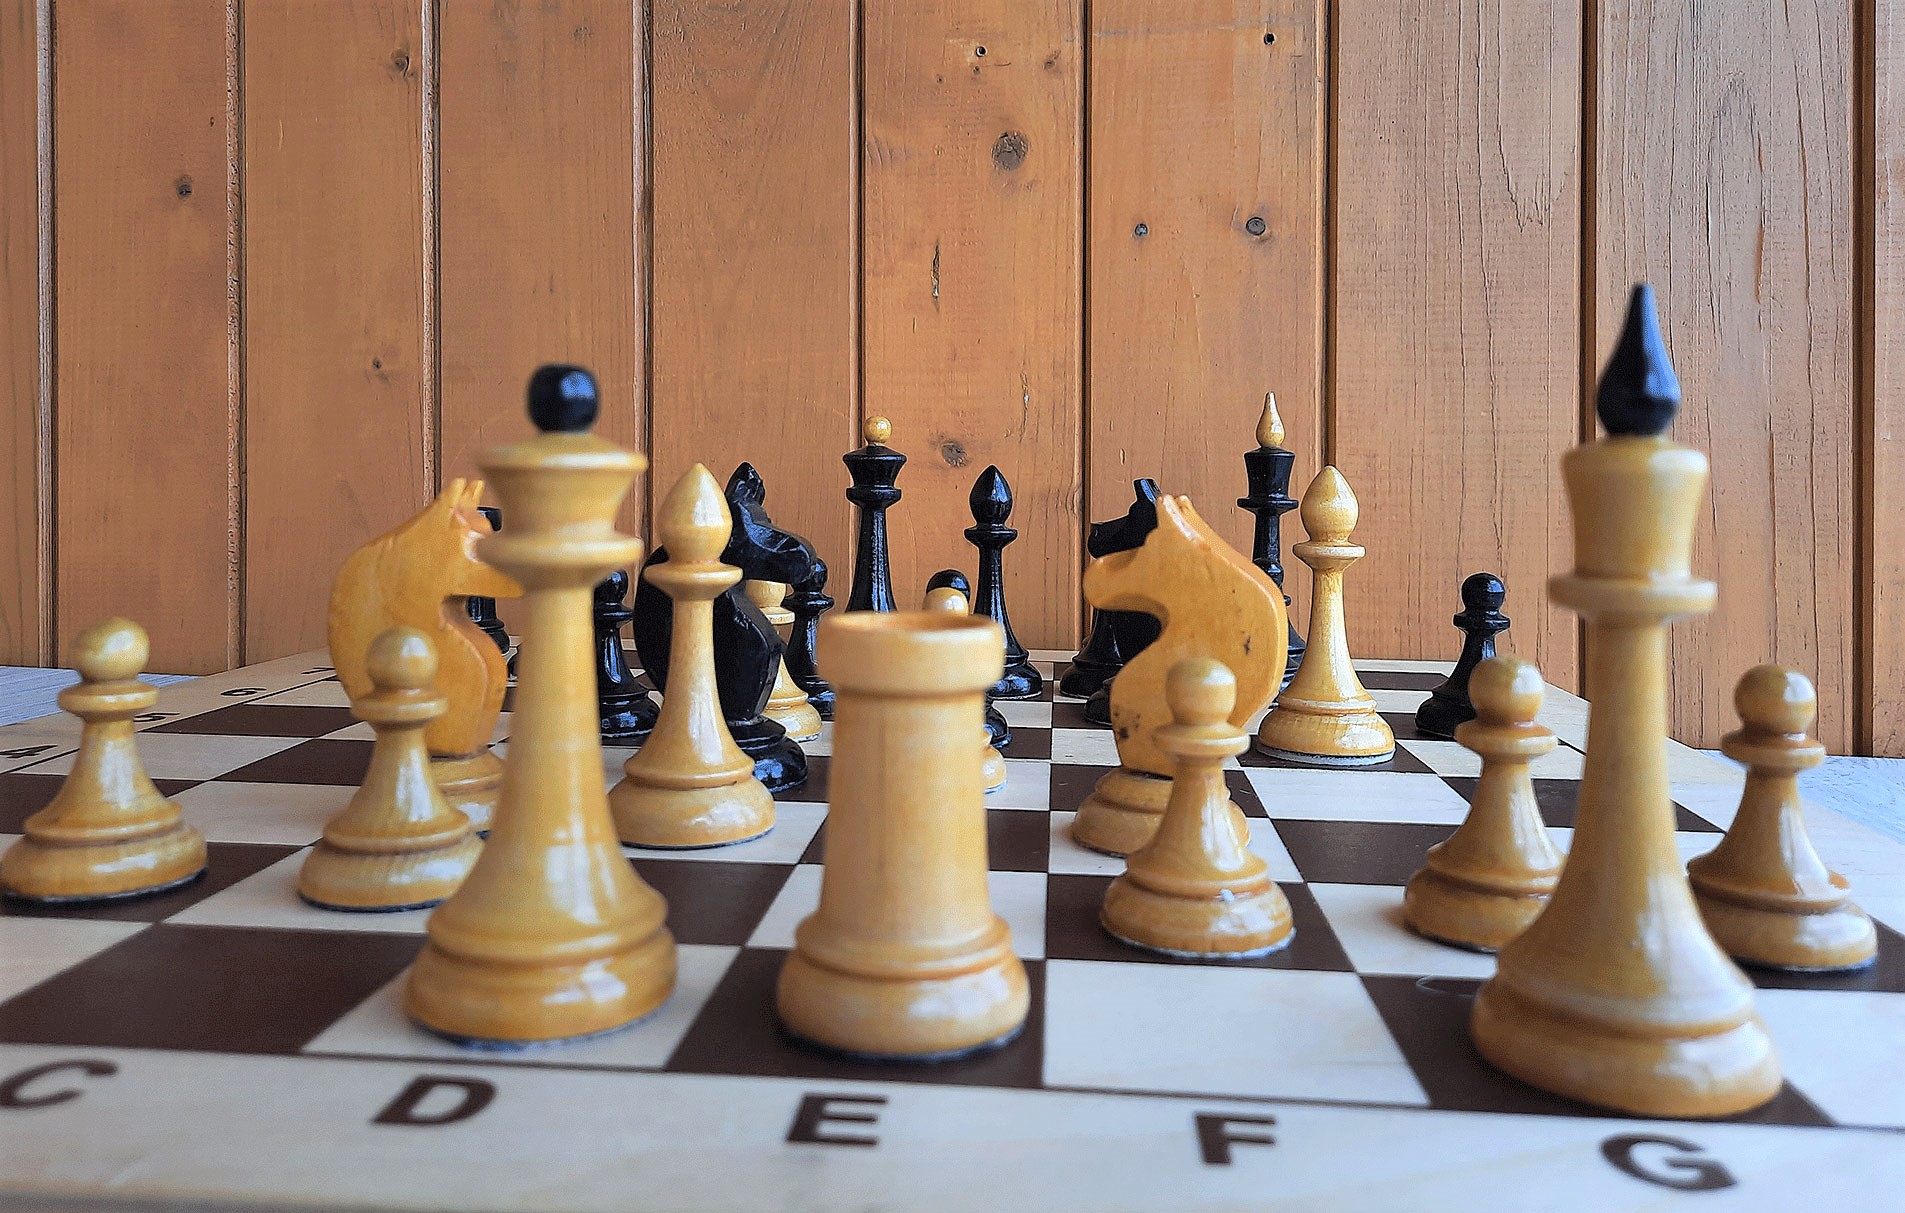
column 1356, row 1013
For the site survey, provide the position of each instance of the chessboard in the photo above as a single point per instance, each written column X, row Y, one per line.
column 226, row 1045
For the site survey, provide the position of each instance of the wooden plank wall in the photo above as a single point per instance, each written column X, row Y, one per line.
column 272, row 271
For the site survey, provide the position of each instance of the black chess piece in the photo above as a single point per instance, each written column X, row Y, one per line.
column 1480, row 622
column 747, row 649
column 997, row 730
column 875, row 468
column 1104, row 653
column 1267, row 472
column 807, row 599
column 628, row 713
column 991, row 502
column 483, row 610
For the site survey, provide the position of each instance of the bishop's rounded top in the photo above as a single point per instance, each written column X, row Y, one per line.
column 1639, row 393
column 1270, row 424
column 1506, row 690
column 1776, row 699
column 1329, row 508
column 991, row 497
column 693, row 522
column 562, row 399
column 876, row 431
column 1483, row 592
column 112, row 650
column 612, row 589
column 401, row 659
column 1200, row 691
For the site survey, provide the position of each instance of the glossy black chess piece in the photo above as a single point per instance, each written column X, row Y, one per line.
column 875, row 468
column 1104, row 653
column 1267, row 473
column 1480, row 622
column 747, row 649
column 483, row 610
column 628, row 713
column 807, row 599
column 991, row 502
column 997, row 730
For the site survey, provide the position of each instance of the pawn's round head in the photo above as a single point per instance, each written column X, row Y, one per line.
column 1329, row 507
column 945, row 598
column 1506, row 690
column 1483, row 592
column 562, row 399
column 401, row 659
column 612, row 589
column 876, row 431
column 1200, row 690
column 1776, row 699
column 112, row 650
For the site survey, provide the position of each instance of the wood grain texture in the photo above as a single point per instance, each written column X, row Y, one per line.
column 1884, row 404
column 337, row 419
column 1199, row 126
column 147, row 329
column 25, row 636
column 1730, row 188
column 540, row 219
column 972, row 226
column 1455, row 363
column 753, row 339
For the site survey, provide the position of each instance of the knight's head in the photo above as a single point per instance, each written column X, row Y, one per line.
column 761, row 550
column 1129, row 580
column 442, row 540
column 1127, row 532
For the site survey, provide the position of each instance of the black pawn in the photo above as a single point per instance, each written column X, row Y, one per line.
column 991, row 502
column 875, row 468
column 1480, row 622
column 483, row 610
column 628, row 714
column 808, row 600
column 1267, row 472
column 1116, row 636
column 997, row 730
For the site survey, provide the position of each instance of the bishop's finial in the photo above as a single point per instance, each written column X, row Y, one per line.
column 693, row 521
column 1639, row 393
column 562, row 399
column 876, row 431
column 991, row 497
column 1270, row 425
column 1329, row 508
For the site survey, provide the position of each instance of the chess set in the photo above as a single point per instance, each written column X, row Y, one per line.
column 1203, row 917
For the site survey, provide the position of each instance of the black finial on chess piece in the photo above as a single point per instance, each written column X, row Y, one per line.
column 1639, row 392
column 998, row 732
column 628, row 714
column 875, row 469
column 483, row 610
column 1267, row 473
column 808, row 600
column 562, row 399
column 1116, row 636
column 991, row 502
column 1480, row 622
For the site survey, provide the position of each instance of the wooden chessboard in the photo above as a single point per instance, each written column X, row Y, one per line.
column 226, row 1044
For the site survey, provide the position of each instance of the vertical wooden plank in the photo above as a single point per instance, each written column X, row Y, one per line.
column 753, row 340
column 337, row 423
column 1456, row 330
column 539, row 216
column 973, row 166
column 1725, row 177
column 1206, row 120
column 145, row 263
column 24, row 626
column 1884, row 497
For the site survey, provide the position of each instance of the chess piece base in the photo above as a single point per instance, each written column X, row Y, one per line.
column 778, row 763
column 336, row 879
column 1662, row 1073
column 962, row 1005
column 692, row 817
column 483, row 1001
column 1020, row 681
column 1097, row 709
column 629, row 723
column 1326, row 734
column 801, row 720
column 471, row 784
column 992, row 768
column 1438, row 717
column 36, row 870
column 1807, row 941
column 1464, row 915
column 1232, row 926
column 1084, row 676
column 1122, row 812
